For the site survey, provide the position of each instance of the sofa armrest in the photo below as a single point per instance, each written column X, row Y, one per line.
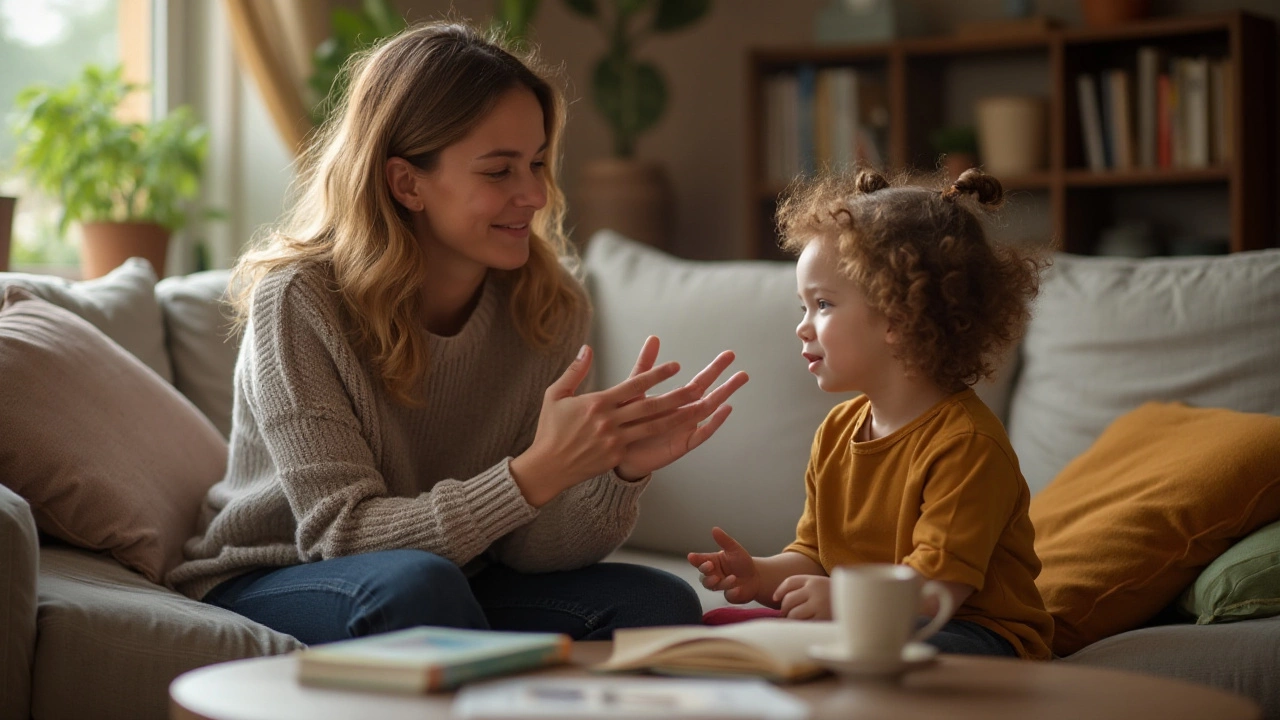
column 19, row 562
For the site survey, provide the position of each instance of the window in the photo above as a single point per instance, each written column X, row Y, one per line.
column 50, row 42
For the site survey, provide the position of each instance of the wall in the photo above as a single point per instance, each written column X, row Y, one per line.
column 700, row 140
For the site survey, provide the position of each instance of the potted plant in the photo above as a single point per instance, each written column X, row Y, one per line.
column 621, row 192
column 956, row 148
column 352, row 31
column 127, row 183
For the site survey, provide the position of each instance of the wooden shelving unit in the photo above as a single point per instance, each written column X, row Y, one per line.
column 919, row 73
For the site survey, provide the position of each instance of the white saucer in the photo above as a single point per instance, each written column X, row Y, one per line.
column 914, row 655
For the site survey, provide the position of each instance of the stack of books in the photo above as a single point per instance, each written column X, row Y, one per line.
column 831, row 117
column 1174, row 112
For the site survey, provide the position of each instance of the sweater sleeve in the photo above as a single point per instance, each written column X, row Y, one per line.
column 314, row 407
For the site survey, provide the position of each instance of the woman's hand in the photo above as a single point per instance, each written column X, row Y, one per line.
column 732, row 570
column 805, row 597
column 581, row 436
column 658, row 451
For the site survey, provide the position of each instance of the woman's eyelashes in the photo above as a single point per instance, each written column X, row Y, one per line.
column 535, row 167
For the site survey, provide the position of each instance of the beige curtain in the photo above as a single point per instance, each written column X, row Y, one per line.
column 274, row 40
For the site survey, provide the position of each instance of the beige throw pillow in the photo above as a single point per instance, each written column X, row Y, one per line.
column 198, row 331
column 122, row 304
column 108, row 455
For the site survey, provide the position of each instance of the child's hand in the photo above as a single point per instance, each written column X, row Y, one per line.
column 732, row 570
column 805, row 597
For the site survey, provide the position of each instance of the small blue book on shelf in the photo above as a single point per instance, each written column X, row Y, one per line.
column 426, row 659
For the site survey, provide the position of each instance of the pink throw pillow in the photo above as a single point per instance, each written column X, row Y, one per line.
column 108, row 455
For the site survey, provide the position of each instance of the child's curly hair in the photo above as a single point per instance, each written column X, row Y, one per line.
column 921, row 257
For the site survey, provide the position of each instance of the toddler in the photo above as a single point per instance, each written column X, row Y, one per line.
column 906, row 301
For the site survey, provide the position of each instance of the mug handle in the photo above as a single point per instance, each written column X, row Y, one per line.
column 946, row 606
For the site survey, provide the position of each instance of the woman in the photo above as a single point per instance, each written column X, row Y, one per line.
column 407, row 445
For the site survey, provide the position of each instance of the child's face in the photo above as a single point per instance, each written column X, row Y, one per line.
column 844, row 340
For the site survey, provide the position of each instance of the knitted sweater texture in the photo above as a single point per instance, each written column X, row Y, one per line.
column 323, row 463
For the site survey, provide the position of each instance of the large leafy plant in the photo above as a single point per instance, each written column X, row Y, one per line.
column 73, row 145
column 629, row 92
column 356, row 30
column 353, row 31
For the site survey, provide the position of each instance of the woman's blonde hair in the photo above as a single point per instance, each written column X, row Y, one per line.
column 411, row 96
column 921, row 257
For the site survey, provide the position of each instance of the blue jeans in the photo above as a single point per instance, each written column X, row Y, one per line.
column 965, row 638
column 377, row 592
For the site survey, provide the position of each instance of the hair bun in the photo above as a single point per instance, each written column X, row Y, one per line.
column 869, row 181
column 973, row 181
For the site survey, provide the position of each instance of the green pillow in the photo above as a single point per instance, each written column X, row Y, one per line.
column 1244, row 582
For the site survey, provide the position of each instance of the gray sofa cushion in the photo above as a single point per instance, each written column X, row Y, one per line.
column 197, row 327
column 122, row 304
column 18, row 563
column 1109, row 334
column 1239, row 657
column 749, row 478
column 109, row 635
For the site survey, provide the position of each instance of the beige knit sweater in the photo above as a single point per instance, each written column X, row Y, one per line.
column 324, row 464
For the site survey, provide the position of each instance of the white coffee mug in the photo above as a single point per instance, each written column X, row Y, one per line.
column 876, row 606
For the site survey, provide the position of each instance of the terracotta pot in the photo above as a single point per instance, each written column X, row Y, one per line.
column 6, row 230
column 957, row 162
column 1109, row 13
column 108, row 244
column 631, row 197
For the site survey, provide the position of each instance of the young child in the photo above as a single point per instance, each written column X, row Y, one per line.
column 906, row 301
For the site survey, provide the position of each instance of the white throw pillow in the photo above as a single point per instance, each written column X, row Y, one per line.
column 122, row 304
column 197, row 324
column 1109, row 334
column 749, row 478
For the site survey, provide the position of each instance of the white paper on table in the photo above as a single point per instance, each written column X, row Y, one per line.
column 627, row 698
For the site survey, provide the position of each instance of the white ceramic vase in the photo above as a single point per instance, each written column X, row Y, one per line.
column 1011, row 134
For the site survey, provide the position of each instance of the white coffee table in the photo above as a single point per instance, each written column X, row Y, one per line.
column 956, row 688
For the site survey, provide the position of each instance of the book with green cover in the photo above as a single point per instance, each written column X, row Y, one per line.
column 426, row 659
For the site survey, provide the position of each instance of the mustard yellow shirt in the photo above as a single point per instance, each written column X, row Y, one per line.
column 942, row 494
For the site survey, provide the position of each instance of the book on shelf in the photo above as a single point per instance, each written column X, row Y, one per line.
column 1173, row 112
column 776, row 649
column 1194, row 94
column 1091, row 122
column 1149, row 62
column 1120, row 120
column 830, row 117
column 426, row 659
column 1164, row 120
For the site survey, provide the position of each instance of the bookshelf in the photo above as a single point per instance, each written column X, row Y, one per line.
column 1229, row 192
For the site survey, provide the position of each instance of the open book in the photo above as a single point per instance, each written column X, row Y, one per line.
column 776, row 649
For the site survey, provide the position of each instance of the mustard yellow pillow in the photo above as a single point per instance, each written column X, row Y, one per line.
column 1131, row 522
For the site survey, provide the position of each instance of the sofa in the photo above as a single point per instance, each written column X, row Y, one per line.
column 84, row 636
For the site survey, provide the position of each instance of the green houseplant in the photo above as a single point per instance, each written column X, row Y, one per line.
column 621, row 192
column 127, row 183
column 631, row 93
column 356, row 30
column 352, row 31
column 956, row 148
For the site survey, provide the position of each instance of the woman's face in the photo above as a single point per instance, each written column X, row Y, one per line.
column 480, row 199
